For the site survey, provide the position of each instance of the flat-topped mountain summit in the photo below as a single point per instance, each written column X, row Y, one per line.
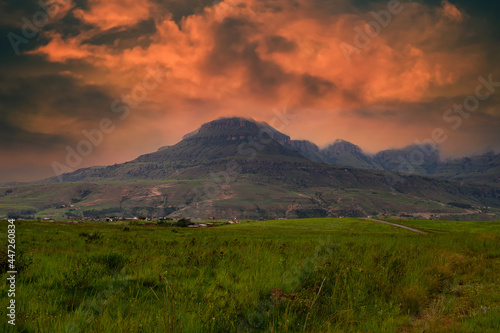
column 225, row 138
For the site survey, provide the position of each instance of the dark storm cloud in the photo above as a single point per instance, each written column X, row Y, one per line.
column 373, row 114
column 69, row 26
column 183, row 8
column 231, row 38
column 25, row 7
column 280, row 44
column 40, row 116
column 325, row 9
column 487, row 10
column 21, row 11
column 29, row 7
column 233, row 48
column 485, row 13
column 31, row 65
column 264, row 76
column 120, row 38
column 14, row 138
column 316, row 86
column 56, row 97
column 432, row 113
column 7, row 49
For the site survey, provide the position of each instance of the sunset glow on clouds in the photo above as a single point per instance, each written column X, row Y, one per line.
column 452, row 12
column 247, row 58
column 111, row 14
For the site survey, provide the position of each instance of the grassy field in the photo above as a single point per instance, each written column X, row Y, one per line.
column 312, row 275
column 490, row 227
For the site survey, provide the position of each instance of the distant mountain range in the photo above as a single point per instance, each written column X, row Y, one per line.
column 235, row 167
column 221, row 139
column 414, row 159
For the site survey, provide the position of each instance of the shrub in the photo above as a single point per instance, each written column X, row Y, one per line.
column 460, row 205
column 183, row 223
column 163, row 223
column 82, row 275
column 22, row 261
column 112, row 261
column 93, row 237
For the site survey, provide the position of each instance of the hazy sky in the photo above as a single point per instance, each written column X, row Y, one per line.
column 379, row 87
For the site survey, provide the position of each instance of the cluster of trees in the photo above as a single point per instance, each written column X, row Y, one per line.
column 25, row 214
column 93, row 213
column 460, row 205
column 183, row 223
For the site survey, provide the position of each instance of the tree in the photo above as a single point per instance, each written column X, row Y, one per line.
column 183, row 223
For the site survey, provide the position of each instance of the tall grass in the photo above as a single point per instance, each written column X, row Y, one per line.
column 373, row 278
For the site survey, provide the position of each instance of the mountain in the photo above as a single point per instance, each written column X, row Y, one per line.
column 236, row 167
column 411, row 159
column 308, row 149
column 417, row 160
column 414, row 159
column 210, row 147
column 224, row 138
column 346, row 153
column 483, row 168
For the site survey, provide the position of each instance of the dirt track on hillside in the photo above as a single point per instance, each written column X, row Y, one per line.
column 397, row 225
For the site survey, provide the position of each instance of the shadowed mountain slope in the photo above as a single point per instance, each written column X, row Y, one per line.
column 240, row 167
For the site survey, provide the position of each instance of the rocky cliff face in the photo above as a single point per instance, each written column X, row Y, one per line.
column 343, row 147
column 343, row 153
column 224, row 138
column 420, row 159
column 346, row 153
column 238, row 129
column 225, row 124
column 304, row 145
column 308, row 149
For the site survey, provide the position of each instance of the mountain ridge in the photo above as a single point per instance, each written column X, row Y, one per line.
column 240, row 167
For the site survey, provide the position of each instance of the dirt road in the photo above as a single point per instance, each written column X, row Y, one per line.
column 397, row 225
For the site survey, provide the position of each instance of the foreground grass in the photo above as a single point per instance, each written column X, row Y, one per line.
column 336, row 275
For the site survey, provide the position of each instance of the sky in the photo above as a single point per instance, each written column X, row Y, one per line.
column 98, row 82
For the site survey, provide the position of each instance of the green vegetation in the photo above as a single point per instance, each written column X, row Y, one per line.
column 313, row 275
column 244, row 197
column 183, row 223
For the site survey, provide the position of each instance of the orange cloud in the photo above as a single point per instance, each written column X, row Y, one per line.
column 59, row 50
column 452, row 12
column 247, row 58
column 394, row 65
column 110, row 14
